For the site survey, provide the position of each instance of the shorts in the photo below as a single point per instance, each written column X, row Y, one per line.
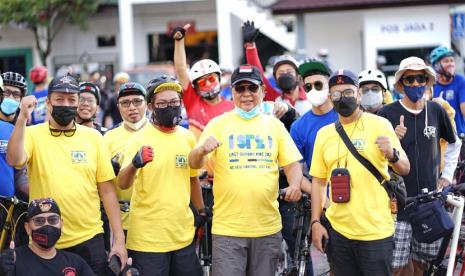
column 406, row 246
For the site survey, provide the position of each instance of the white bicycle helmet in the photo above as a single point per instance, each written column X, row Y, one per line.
column 204, row 67
column 372, row 75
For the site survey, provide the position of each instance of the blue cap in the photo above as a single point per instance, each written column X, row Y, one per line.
column 343, row 76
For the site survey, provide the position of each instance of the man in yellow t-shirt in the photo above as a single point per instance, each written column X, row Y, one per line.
column 247, row 147
column 132, row 106
column 70, row 163
column 363, row 224
column 161, row 225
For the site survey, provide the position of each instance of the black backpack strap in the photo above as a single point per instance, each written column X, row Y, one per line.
column 355, row 153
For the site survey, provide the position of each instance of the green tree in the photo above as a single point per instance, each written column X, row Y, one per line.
column 45, row 18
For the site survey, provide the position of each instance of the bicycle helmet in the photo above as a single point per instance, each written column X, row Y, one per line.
column 440, row 52
column 90, row 88
column 312, row 66
column 38, row 74
column 131, row 88
column 162, row 83
column 372, row 75
column 121, row 77
column 16, row 80
column 285, row 59
column 204, row 67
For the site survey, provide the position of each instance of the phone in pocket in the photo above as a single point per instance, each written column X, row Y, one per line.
column 340, row 185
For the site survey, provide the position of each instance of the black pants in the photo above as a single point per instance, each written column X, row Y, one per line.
column 352, row 257
column 93, row 252
column 182, row 262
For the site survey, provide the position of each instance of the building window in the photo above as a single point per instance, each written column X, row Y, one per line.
column 106, row 41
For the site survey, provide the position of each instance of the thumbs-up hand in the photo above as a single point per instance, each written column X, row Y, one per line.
column 9, row 259
column 400, row 129
column 440, row 100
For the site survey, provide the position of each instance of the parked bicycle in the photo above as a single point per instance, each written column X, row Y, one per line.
column 15, row 212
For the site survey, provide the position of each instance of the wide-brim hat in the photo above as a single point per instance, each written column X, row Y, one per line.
column 416, row 64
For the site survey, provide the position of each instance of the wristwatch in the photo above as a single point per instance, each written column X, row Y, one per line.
column 395, row 156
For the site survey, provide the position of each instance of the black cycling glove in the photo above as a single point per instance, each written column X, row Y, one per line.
column 249, row 32
column 178, row 29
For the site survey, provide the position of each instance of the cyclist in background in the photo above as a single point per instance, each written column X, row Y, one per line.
column 374, row 90
column 201, row 89
column 13, row 88
column 38, row 76
column 161, row 227
column 132, row 105
column 285, row 71
column 89, row 100
column 449, row 85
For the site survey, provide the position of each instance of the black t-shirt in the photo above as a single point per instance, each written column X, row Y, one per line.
column 63, row 264
column 421, row 144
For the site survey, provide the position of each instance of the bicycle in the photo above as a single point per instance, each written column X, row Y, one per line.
column 443, row 265
column 203, row 232
column 9, row 227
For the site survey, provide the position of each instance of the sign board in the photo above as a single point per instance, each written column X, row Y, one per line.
column 458, row 25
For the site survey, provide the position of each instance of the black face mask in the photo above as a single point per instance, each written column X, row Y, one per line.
column 46, row 236
column 63, row 115
column 169, row 116
column 287, row 82
column 346, row 106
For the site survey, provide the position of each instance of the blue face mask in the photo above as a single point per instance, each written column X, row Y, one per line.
column 414, row 93
column 248, row 115
column 9, row 106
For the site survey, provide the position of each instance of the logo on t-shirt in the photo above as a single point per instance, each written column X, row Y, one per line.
column 429, row 131
column 78, row 157
column 449, row 95
column 359, row 144
column 181, row 161
column 3, row 145
column 69, row 271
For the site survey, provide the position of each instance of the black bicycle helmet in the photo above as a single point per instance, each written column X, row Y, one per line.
column 16, row 80
column 90, row 88
column 162, row 83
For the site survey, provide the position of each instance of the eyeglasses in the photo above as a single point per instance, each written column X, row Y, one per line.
column 173, row 103
column 52, row 220
column 318, row 86
column 336, row 95
column 210, row 79
column 410, row 79
column 135, row 102
column 90, row 101
column 66, row 132
column 15, row 94
column 242, row 87
column 375, row 89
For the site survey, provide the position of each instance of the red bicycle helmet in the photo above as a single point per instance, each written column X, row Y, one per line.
column 38, row 74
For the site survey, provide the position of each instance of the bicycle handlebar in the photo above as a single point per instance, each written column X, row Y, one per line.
column 14, row 200
column 458, row 189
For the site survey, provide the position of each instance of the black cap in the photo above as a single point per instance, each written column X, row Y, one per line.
column 42, row 205
column 66, row 84
column 246, row 72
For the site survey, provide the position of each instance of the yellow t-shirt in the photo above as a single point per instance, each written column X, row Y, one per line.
column 367, row 215
column 116, row 140
column 68, row 170
column 161, row 219
column 245, row 184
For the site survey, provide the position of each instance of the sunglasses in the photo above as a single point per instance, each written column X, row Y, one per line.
column 210, row 79
column 135, row 102
column 318, row 86
column 8, row 93
column 410, row 79
column 65, row 132
column 52, row 220
column 242, row 87
column 336, row 95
